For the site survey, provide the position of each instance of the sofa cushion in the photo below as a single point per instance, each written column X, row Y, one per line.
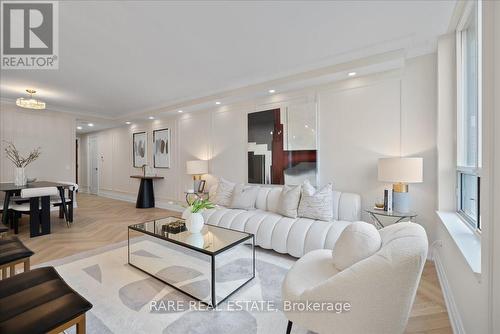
column 244, row 197
column 273, row 198
column 358, row 241
column 261, row 202
column 224, row 192
column 316, row 204
column 289, row 201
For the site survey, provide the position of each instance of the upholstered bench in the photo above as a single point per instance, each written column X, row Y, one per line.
column 39, row 301
column 12, row 252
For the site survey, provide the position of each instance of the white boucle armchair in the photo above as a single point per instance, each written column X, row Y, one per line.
column 379, row 289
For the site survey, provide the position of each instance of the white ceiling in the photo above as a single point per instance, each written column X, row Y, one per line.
column 123, row 58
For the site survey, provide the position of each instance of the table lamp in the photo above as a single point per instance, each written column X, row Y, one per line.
column 196, row 168
column 400, row 172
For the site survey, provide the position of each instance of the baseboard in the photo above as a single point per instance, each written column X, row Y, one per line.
column 451, row 306
column 162, row 204
column 83, row 189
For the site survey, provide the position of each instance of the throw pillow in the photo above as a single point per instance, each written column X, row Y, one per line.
column 289, row 201
column 316, row 204
column 224, row 192
column 244, row 197
column 358, row 241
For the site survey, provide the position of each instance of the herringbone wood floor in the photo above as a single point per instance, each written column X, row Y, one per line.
column 101, row 221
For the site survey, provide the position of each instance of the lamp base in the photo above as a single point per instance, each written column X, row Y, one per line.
column 401, row 202
column 196, row 185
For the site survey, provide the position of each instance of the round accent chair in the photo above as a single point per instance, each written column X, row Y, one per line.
column 373, row 275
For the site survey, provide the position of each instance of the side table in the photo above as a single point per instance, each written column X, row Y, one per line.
column 191, row 196
column 397, row 216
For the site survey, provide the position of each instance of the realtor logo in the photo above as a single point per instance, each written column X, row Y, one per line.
column 29, row 35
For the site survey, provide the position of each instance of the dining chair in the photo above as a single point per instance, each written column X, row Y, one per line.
column 25, row 208
column 3, row 229
column 70, row 200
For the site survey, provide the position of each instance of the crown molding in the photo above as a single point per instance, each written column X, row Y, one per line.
column 262, row 86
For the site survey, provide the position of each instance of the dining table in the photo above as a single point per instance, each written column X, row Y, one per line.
column 39, row 218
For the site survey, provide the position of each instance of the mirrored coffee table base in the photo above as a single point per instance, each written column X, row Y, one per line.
column 209, row 266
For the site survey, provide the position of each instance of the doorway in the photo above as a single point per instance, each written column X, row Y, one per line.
column 77, row 162
column 93, row 166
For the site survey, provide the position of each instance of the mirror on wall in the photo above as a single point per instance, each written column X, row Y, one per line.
column 282, row 145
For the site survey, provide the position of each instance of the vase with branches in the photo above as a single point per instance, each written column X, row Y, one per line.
column 20, row 162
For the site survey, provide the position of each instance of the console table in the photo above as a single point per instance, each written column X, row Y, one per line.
column 146, row 195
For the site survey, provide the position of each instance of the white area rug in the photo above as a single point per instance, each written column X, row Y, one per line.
column 123, row 295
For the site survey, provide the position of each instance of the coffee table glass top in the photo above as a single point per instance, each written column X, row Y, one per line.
column 215, row 239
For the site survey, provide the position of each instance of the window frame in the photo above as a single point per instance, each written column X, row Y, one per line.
column 473, row 222
column 462, row 168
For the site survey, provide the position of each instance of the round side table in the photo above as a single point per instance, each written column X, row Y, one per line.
column 191, row 197
column 397, row 216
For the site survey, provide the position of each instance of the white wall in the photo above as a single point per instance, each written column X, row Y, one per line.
column 359, row 123
column 468, row 292
column 53, row 132
column 495, row 249
column 475, row 297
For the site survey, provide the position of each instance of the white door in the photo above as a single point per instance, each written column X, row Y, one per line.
column 93, row 166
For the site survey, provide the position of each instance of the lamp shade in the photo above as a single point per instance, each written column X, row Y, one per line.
column 400, row 170
column 197, row 167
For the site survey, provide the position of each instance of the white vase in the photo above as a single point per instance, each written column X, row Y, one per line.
column 19, row 176
column 195, row 222
column 187, row 213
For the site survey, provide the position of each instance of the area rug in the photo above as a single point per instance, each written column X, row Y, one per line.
column 127, row 300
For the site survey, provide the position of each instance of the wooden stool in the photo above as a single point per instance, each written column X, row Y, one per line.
column 40, row 301
column 13, row 252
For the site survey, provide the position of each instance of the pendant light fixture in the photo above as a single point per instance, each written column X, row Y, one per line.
column 30, row 103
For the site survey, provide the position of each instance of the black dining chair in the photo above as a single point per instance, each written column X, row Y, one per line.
column 69, row 199
column 33, row 194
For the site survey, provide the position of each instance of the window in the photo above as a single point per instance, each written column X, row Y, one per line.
column 469, row 116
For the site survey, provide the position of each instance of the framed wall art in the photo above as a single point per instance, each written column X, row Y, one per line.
column 161, row 148
column 140, row 149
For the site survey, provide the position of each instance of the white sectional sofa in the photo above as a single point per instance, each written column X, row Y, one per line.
column 282, row 234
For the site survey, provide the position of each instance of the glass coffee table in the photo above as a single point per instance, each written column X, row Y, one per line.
column 208, row 266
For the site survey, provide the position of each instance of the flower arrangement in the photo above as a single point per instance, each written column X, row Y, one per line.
column 201, row 204
column 19, row 161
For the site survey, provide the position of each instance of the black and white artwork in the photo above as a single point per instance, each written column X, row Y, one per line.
column 140, row 149
column 161, row 148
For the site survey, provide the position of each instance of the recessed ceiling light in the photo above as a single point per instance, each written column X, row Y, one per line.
column 79, row 127
column 127, row 122
column 90, row 124
column 151, row 117
column 272, row 91
column 217, row 102
column 351, row 74
column 179, row 111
